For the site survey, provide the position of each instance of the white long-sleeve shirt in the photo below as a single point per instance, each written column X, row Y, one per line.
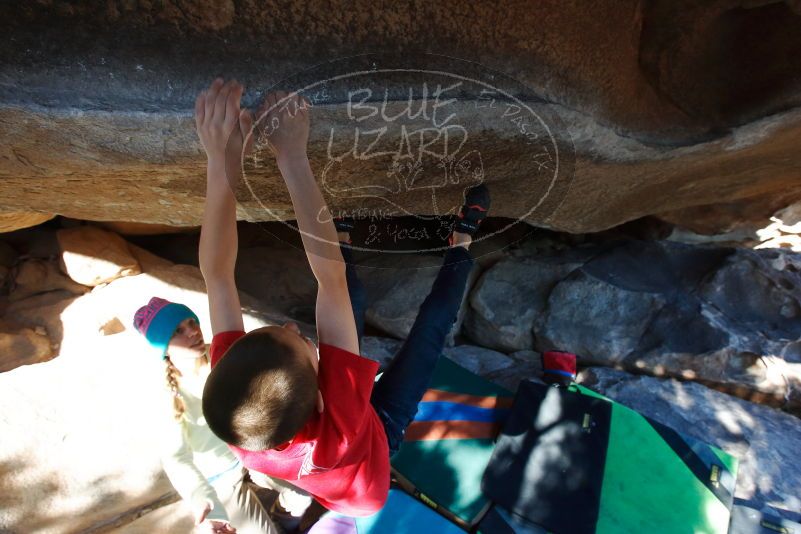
column 192, row 456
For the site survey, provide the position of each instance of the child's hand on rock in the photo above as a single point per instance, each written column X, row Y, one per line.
column 221, row 125
column 284, row 121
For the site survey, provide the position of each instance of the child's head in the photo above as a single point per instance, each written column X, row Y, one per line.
column 172, row 329
column 264, row 389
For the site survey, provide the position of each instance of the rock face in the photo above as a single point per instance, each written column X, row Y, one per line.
column 10, row 221
column 22, row 346
column 46, row 311
column 280, row 277
column 507, row 300
column 78, row 455
column 765, row 440
column 92, row 256
column 479, row 360
column 396, row 289
column 380, row 349
column 728, row 317
column 39, row 276
column 95, row 105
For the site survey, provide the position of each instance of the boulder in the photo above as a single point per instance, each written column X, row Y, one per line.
column 280, row 277
column 508, row 298
column 527, row 366
column 138, row 229
column 721, row 316
column 397, row 287
column 147, row 260
column 91, row 256
column 174, row 517
column 597, row 320
column 707, row 326
column 34, row 242
column 380, row 349
column 82, row 452
column 764, row 439
column 760, row 302
column 35, row 276
column 177, row 283
column 99, row 127
column 784, row 230
column 479, row 360
column 745, row 217
column 743, row 222
column 22, row 346
column 51, row 311
column 16, row 220
column 506, row 370
column 8, row 256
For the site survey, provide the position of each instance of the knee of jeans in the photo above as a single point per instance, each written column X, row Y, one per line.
column 437, row 320
column 395, row 444
column 393, row 429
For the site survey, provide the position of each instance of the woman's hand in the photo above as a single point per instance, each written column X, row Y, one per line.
column 210, row 526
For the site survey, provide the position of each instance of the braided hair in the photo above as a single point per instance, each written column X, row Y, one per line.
column 178, row 406
column 173, row 375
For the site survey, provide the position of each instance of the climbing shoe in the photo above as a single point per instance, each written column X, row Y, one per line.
column 473, row 212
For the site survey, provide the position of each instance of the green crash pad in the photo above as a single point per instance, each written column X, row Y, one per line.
column 451, row 439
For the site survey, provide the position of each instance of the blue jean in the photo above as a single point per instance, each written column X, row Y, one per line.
column 399, row 390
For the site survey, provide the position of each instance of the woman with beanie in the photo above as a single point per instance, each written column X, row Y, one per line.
column 200, row 466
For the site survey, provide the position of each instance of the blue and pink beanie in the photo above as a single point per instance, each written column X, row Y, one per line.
column 158, row 319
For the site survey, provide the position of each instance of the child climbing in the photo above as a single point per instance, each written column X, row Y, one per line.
column 317, row 420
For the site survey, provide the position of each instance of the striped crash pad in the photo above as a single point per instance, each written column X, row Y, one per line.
column 450, row 441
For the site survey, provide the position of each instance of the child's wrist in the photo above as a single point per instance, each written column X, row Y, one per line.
column 215, row 164
column 216, row 172
column 290, row 158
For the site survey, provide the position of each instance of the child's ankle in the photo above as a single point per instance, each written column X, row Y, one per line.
column 344, row 237
column 459, row 239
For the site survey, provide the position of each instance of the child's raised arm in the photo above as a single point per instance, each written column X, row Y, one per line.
column 287, row 124
column 221, row 126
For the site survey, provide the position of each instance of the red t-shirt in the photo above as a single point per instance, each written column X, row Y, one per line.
column 340, row 456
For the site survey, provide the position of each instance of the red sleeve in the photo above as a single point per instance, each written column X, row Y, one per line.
column 346, row 382
column 220, row 344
